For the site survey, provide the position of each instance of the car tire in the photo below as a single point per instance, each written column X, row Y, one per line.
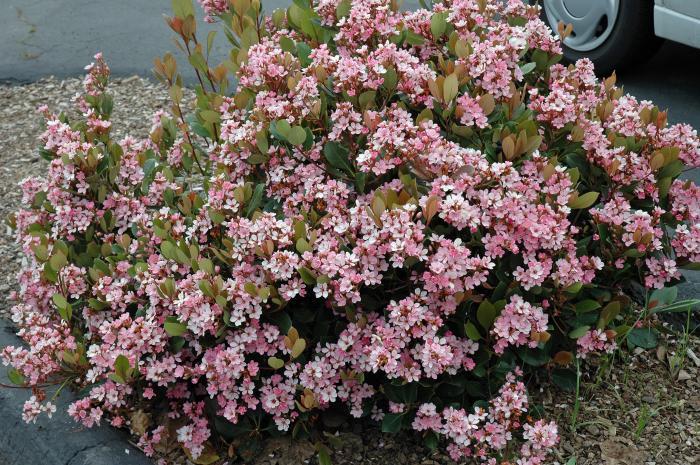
column 630, row 40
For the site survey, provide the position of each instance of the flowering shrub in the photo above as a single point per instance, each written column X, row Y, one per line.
column 393, row 215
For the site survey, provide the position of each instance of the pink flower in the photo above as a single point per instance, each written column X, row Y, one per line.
column 596, row 340
column 519, row 324
column 472, row 113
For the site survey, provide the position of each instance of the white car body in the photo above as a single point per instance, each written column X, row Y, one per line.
column 678, row 20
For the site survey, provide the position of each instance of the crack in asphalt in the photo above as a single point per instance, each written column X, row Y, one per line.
column 84, row 449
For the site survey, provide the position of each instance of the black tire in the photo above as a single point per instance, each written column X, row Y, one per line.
column 631, row 42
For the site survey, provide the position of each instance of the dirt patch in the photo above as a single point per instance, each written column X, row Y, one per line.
column 641, row 408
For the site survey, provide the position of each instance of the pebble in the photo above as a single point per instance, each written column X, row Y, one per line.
column 593, row 429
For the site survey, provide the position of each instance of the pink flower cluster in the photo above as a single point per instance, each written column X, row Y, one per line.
column 520, row 323
column 378, row 206
column 485, row 433
column 596, row 340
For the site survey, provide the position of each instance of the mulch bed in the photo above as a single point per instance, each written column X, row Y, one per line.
column 641, row 408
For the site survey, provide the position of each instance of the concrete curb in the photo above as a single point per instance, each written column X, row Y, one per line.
column 58, row 441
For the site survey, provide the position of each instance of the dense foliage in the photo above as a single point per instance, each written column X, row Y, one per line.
column 394, row 215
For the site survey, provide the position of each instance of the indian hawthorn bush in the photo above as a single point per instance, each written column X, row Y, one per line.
column 394, row 216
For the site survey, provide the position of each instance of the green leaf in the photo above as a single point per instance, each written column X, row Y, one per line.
column 664, row 186
column 58, row 260
column 541, row 58
column 401, row 393
column 608, row 314
column 603, row 232
column 337, row 156
column 198, row 62
column 565, row 379
column 527, row 68
column 49, row 273
column 324, row 458
column 472, row 331
column 281, row 320
column 578, row 332
column 664, row 296
column 682, row 306
column 251, row 289
column 392, row 422
column 173, row 327
column 261, row 142
column 307, row 276
column 41, row 252
column 574, row 288
column 210, row 116
column 206, row 288
column 206, row 265
column 431, row 440
column 216, row 217
column 646, row 338
column 438, row 24
column 287, row 44
column 672, row 170
column 148, row 166
column 298, row 347
column 15, row 376
column 390, row 79
column 303, row 52
column 59, row 301
column 283, row 128
column 122, row 367
column 302, row 245
column 297, row 136
column 486, row 314
column 533, row 357
column 255, row 200
column 343, row 9
column 210, row 41
column 64, row 308
column 183, row 8
column 414, row 39
column 450, row 87
column 296, row 15
column 360, row 181
column 275, row 363
column 586, row 306
column 584, row 201
column 574, row 175
column 169, row 250
column 299, row 230
column 367, row 99
column 425, row 115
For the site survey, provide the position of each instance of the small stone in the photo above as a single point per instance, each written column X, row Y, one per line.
column 593, row 429
column 693, row 357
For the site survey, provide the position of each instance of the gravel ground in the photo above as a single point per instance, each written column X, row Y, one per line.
column 646, row 411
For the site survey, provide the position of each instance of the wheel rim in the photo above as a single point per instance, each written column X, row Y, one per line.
column 593, row 20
